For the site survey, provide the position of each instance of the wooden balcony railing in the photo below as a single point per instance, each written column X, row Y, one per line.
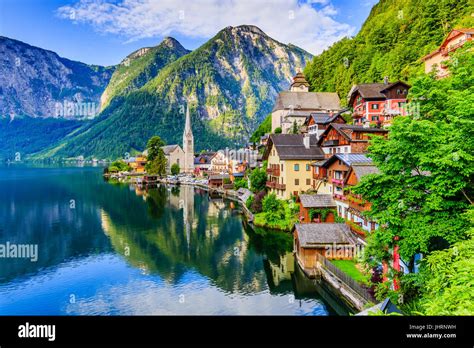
column 275, row 171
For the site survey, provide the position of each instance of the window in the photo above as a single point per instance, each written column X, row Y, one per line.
column 346, row 149
column 177, row 161
column 358, row 135
column 297, row 182
column 399, row 91
column 375, row 118
column 375, row 106
column 308, row 182
column 307, row 167
column 296, row 167
column 338, row 150
column 401, row 104
column 282, row 167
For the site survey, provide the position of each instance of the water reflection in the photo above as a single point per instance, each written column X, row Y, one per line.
column 130, row 250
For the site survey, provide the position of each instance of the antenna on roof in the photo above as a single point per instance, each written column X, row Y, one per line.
column 385, row 80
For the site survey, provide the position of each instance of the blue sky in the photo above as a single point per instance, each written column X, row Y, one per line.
column 105, row 31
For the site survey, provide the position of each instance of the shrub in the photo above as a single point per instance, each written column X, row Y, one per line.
column 175, row 169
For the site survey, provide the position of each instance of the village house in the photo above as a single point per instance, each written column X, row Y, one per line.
column 289, row 159
column 219, row 164
column 344, row 171
column 174, row 155
column 435, row 61
column 325, row 239
column 357, row 204
column 345, row 138
column 378, row 103
column 318, row 122
column 297, row 104
column 137, row 163
column 322, row 206
column 202, row 163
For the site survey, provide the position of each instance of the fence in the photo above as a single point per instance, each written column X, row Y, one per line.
column 343, row 277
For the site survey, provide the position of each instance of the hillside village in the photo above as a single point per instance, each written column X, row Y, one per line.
column 300, row 176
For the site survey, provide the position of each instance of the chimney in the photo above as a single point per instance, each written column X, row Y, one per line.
column 385, row 80
column 306, row 142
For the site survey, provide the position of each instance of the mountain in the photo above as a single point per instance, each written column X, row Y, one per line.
column 140, row 67
column 39, row 83
column 391, row 42
column 231, row 83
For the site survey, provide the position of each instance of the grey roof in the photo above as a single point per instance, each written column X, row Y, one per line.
column 319, row 163
column 353, row 158
column 207, row 156
column 244, row 194
column 360, row 170
column 290, row 146
column 307, row 100
column 315, row 235
column 372, row 90
column 167, row 149
column 218, row 176
column 317, row 201
column 346, row 129
column 324, row 117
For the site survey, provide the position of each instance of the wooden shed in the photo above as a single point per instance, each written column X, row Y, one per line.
column 324, row 207
column 331, row 240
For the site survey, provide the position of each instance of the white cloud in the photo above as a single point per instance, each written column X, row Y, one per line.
column 289, row 21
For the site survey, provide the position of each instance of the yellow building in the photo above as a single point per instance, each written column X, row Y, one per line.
column 435, row 60
column 289, row 170
column 138, row 164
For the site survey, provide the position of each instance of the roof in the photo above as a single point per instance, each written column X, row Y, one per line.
column 207, row 156
column 291, row 146
column 361, row 170
column 372, row 90
column 218, row 177
column 315, row 235
column 347, row 129
column 316, row 201
column 307, row 100
column 352, row 159
column 299, row 80
column 167, row 149
column 324, row 117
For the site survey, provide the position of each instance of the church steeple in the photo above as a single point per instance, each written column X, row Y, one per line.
column 299, row 83
column 188, row 144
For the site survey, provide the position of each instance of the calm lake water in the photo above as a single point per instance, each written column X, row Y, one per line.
column 106, row 249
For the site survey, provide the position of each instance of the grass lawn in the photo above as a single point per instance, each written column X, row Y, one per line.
column 349, row 268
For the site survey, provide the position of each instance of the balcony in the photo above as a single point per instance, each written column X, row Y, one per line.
column 271, row 184
column 280, row 186
column 339, row 197
column 339, row 182
column 275, row 171
column 275, row 185
column 334, row 142
column 357, row 202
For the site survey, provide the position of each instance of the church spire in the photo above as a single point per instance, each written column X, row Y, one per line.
column 188, row 144
column 187, row 127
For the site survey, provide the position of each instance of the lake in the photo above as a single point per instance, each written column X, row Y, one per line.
column 115, row 249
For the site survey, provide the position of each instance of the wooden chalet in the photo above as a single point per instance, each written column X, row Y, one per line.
column 324, row 208
column 318, row 122
column 322, row 239
column 346, row 139
column 378, row 103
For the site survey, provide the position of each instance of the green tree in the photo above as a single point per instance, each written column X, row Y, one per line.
column 295, row 129
column 156, row 160
column 258, row 179
column 278, row 130
column 425, row 187
column 175, row 169
column 448, row 275
column 273, row 208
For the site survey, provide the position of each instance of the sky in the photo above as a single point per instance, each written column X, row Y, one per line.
column 103, row 32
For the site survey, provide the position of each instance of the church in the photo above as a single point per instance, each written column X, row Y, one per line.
column 188, row 145
column 297, row 104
